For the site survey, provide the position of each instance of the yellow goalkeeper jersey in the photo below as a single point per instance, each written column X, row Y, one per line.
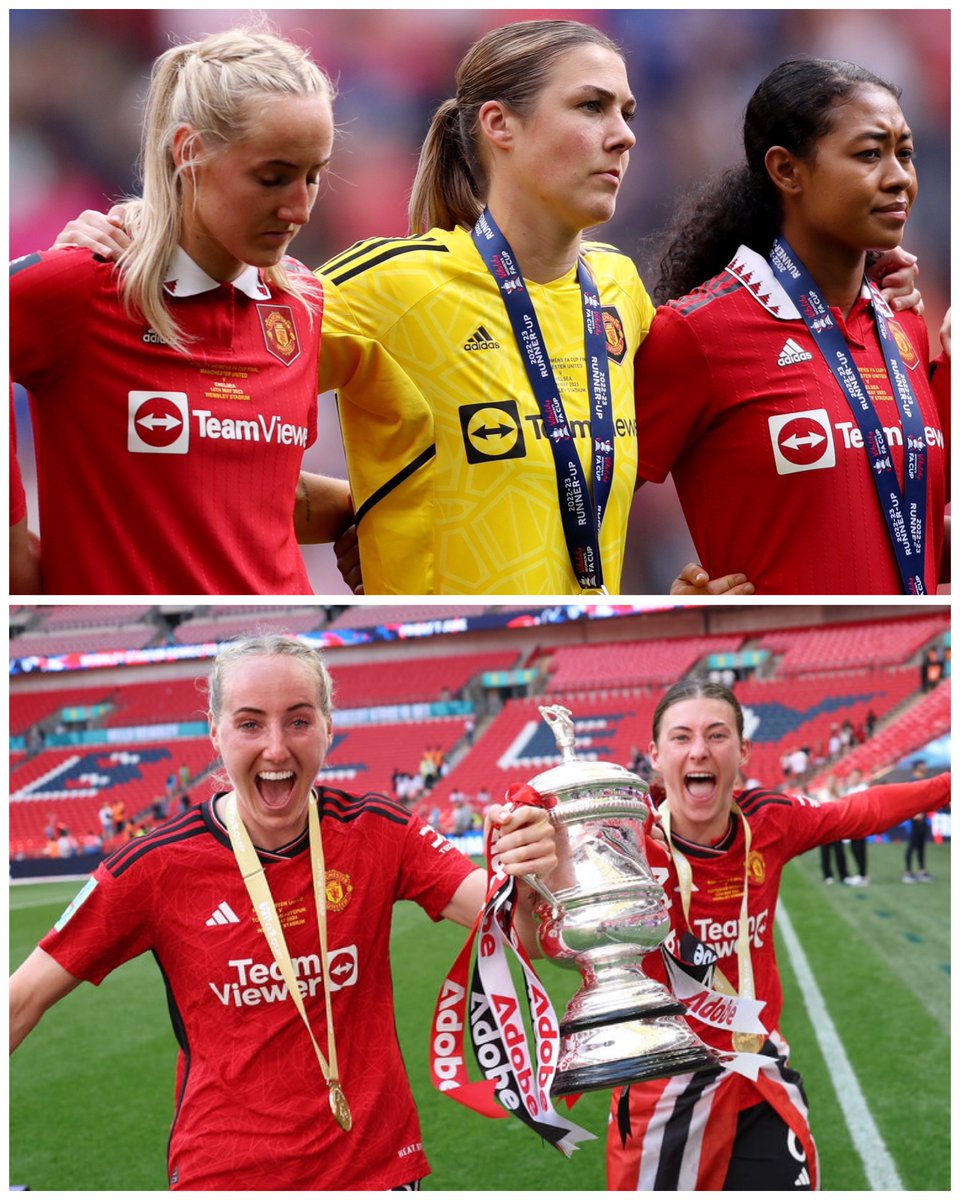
column 452, row 476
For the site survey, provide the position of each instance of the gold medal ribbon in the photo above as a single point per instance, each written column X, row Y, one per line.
column 251, row 868
column 747, row 1042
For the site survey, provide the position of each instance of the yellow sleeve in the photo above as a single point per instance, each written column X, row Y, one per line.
column 388, row 438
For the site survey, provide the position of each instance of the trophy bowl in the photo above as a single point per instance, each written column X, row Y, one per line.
column 601, row 911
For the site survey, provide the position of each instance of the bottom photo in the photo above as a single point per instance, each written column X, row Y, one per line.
column 677, row 881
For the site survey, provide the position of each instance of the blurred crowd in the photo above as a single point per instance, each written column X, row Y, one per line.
column 77, row 78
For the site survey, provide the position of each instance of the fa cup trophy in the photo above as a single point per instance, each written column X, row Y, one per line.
column 601, row 911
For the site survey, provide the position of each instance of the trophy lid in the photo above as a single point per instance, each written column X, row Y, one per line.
column 573, row 772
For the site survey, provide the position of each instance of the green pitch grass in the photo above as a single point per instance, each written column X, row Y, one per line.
column 91, row 1090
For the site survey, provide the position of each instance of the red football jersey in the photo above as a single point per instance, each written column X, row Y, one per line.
column 682, row 1128
column 251, row 1106
column 735, row 399
column 161, row 472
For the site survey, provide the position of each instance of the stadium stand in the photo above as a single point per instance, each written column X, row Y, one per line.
column 43, row 643
column 814, row 679
column 575, row 669
column 836, row 648
column 221, row 628
column 393, row 681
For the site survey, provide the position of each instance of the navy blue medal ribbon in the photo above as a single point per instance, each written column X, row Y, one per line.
column 581, row 521
column 905, row 510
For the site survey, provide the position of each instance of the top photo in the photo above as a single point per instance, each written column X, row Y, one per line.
column 394, row 302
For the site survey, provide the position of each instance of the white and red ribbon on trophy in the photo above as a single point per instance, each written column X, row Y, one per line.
column 513, row 1083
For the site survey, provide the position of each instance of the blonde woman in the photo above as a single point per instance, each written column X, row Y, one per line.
column 174, row 393
column 274, row 1095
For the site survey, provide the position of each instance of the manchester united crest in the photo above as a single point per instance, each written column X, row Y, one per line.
column 339, row 889
column 279, row 332
column 910, row 357
column 613, row 329
column 756, row 867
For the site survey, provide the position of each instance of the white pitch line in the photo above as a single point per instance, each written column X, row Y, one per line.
column 880, row 1168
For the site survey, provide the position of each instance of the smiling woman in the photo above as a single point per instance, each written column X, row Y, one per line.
column 744, row 1124
column 268, row 909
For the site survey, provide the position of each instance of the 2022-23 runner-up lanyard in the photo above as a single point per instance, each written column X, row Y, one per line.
column 581, row 521
column 905, row 510
column 251, row 868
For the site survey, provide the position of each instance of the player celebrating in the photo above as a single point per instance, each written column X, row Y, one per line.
column 268, row 909
column 744, row 1125
column 784, row 384
column 173, row 395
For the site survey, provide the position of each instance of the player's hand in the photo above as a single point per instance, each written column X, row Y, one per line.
column 347, row 550
column 103, row 233
column 524, row 841
column 896, row 271
column 945, row 334
column 693, row 580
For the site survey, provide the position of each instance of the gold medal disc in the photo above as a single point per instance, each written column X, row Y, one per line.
column 339, row 1106
column 748, row 1043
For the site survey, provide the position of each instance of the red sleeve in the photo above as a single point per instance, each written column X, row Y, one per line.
column 18, row 497
column 432, row 868
column 860, row 814
column 940, row 387
column 107, row 923
column 672, row 390
column 48, row 313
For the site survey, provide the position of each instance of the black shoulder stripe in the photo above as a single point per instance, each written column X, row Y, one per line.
column 358, row 250
column 340, row 276
column 190, row 824
column 723, row 285
column 750, row 802
column 403, row 474
column 20, row 264
column 341, row 806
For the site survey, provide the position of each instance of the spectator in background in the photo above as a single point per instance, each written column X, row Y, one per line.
column 917, row 840
column 106, row 820
column 462, row 814
column 858, row 845
column 833, row 852
column 118, row 811
column 931, row 671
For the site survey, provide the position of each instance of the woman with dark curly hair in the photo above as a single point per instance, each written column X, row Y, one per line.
column 785, row 384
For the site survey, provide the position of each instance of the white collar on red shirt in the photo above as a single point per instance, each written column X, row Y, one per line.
column 756, row 274
column 185, row 278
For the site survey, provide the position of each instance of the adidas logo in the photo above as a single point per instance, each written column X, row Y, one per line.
column 803, row 1179
column 481, row 340
column 791, row 353
column 223, row 915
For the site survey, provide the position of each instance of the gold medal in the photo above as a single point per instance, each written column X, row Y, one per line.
column 339, row 1106
column 748, row 1043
